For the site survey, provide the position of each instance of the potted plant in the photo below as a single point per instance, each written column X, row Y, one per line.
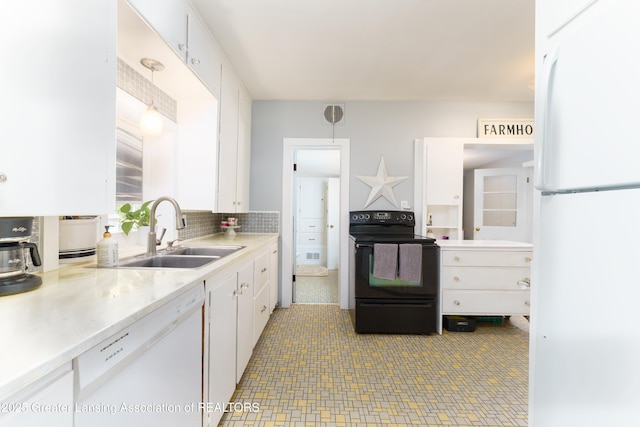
column 134, row 219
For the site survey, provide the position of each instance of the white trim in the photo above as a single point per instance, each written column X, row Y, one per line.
column 289, row 146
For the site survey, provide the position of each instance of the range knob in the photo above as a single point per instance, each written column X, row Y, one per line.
column 410, row 217
column 403, row 216
column 367, row 216
column 361, row 216
column 354, row 217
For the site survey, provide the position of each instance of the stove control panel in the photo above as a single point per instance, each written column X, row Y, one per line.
column 383, row 217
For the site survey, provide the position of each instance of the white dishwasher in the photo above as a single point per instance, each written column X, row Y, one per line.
column 148, row 374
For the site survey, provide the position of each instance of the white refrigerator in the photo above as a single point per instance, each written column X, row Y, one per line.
column 585, row 313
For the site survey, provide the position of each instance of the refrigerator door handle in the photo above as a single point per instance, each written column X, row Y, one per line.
column 542, row 121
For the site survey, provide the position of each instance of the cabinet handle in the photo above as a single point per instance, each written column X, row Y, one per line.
column 526, row 303
column 524, row 283
column 195, row 61
column 456, row 258
column 235, row 293
column 456, row 279
column 274, row 252
column 477, row 228
column 244, row 285
column 527, row 259
column 456, row 302
column 182, row 47
column 264, row 269
column 3, row 177
column 264, row 308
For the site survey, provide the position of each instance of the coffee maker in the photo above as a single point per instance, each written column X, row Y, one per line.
column 15, row 233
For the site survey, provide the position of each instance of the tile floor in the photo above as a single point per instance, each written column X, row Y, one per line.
column 310, row 368
column 317, row 289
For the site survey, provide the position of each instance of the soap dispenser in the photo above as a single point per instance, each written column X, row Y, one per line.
column 107, row 250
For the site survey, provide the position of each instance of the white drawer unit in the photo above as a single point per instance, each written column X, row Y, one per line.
column 261, row 273
column 311, row 225
column 481, row 278
column 261, row 313
column 485, row 302
column 489, row 279
column 486, row 258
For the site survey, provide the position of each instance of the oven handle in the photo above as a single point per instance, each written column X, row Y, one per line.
column 360, row 245
column 426, row 303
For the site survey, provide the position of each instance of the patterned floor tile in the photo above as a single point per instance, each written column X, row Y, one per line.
column 311, row 368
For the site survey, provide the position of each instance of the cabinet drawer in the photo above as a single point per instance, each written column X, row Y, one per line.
column 487, row 258
column 311, row 225
column 485, row 302
column 484, row 278
column 311, row 239
column 261, row 313
column 261, row 272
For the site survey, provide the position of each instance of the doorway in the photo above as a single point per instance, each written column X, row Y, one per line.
column 301, row 207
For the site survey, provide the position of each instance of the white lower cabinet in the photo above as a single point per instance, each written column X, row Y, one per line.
column 478, row 280
column 261, row 294
column 236, row 314
column 222, row 309
column 46, row 402
column 261, row 313
column 245, row 319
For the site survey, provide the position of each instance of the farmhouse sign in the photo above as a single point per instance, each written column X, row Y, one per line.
column 505, row 128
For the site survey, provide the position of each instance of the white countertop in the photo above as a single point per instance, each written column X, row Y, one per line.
column 78, row 306
column 482, row 244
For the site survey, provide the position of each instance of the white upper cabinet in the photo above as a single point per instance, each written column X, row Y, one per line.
column 203, row 55
column 168, row 18
column 180, row 26
column 235, row 145
column 444, row 171
column 58, row 107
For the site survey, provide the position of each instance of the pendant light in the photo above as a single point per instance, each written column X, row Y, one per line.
column 151, row 120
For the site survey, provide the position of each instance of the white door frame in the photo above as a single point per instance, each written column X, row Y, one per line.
column 289, row 146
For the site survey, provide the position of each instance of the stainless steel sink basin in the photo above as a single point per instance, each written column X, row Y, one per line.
column 168, row 261
column 217, row 251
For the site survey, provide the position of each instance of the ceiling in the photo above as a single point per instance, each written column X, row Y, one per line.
column 341, row 50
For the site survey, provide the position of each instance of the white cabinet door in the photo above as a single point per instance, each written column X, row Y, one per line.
column 222, row 313
column 261, row 272
column 444, row 173
column 168, row 19
column 244, row 151
column 261, row 313
column 245, row 319
column 500, row 209
column 58, row 107
column 227, row 163
column 273, row 276
column 203, row 56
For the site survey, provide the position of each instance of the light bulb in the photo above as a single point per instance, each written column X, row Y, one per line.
column 151, row 121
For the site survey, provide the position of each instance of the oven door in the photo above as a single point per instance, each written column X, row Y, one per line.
column 368, row 286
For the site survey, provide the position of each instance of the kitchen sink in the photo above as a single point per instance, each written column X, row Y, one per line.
column 216, row 251
column 168, row 261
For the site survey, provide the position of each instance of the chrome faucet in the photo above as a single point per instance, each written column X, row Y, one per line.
column 180, row 223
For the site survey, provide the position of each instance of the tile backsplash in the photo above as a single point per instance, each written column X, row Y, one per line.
column 203, row 223
column 136, row 85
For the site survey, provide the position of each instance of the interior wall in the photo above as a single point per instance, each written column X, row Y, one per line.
column 375, row 128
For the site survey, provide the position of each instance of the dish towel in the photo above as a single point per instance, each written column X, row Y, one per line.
column 410, row 262
column 385, row 261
